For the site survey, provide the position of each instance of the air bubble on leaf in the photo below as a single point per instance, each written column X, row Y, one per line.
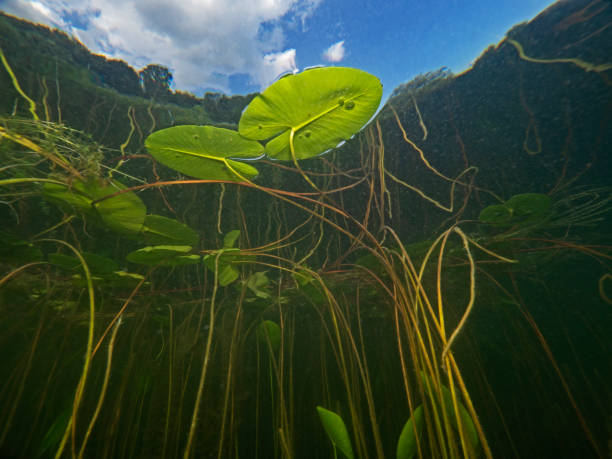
column 341, row 101
column 349, row 105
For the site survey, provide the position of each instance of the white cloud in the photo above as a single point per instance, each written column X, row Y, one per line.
column 201, row 41
column 335, row 53
column 275, row 64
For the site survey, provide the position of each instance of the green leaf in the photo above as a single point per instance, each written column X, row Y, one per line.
column 69, row 199
column 97, row 264
column 230, row 239
column 15, row 249
column 227, row 275
column 269, row 331
column 158, row 230
column 204, row 152
column 55, row 432
column 529, row 204
column 123, row 279
column 322, row 107
column 256, row 282
column 466, row 420
column 407, row 442
column 160, row 255
column 495, row 214
column 124, row 213
column 336, row 431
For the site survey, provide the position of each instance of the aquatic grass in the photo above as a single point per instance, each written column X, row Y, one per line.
column 418, row 311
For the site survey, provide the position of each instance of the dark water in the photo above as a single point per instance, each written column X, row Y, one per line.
column 488, row 192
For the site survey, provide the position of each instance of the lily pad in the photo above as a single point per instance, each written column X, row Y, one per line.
column 123, row 213
column 97, row 264
column 158, row 230
column 320, row 108
column 495, row 214
column 204, row 152
column 167, row 255
column 15, row 249
column 529, row 204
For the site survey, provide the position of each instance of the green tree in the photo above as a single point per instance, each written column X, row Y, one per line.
column 155, row 80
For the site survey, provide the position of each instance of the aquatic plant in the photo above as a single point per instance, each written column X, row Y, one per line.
column 228, row 340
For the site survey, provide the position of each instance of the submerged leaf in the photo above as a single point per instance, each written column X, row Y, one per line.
column 55, row 432
column 407, row 442
column 230, row 239
column 204, row 152
column 269, row 331
column 322, row 107
column 227, row 275
column 336, row 431
column 97, row 264
column 529, row 204
column 467, row 423
column 495, row 214
column 159, row 230
column 124, row 213
column 256, row 282
column 167, row 255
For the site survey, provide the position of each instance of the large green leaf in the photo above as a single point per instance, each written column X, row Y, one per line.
column 407, row 442
column 322, row 107
column 159, row 230
column 204, row 152
column 123, row 213
column 336, row 431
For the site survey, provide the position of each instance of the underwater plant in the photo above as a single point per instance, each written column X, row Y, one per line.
column 240, row 299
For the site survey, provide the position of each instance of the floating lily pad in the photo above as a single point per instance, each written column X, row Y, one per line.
column 204, row 152
column 158, row 230
column 322, row 107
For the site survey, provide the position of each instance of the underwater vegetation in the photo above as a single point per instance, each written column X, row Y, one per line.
column 251, row 292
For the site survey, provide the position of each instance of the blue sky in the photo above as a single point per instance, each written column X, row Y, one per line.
column 240, row 46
